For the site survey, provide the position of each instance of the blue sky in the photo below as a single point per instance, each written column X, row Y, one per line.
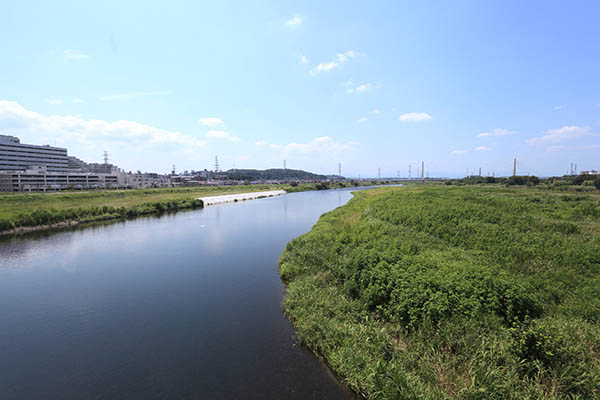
column 461, row 84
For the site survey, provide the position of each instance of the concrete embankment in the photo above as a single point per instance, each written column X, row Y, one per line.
column 228, row 198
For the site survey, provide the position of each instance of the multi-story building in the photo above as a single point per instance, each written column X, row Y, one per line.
column 16, row 156
column 38, row 179
column 143, row 180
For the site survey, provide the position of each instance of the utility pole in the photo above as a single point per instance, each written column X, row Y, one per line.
column 515, row 167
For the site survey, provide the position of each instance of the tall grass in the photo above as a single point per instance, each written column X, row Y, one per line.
column 445, row 292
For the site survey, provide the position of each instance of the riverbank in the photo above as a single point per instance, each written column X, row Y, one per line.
column 471, row 292
column 23, row 212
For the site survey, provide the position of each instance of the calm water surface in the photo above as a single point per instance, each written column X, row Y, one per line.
column 185, row 306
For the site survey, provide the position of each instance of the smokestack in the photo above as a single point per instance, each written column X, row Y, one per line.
column 423, row 170
column 479, row 171
column 515, row 167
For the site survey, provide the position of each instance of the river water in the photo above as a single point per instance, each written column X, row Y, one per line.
column 183, row 306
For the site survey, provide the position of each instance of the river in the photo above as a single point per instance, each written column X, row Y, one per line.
column 182, row 306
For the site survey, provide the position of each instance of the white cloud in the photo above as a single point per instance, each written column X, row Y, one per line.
column 360, row 88
column 75, row 55
column 213, row 134
column 93, row 133
column 55, row 102
column 482, row 148
column 303, row 59
column 340, row 59
column 362, row 120
column 77, row 100
column 560, row 134
column 560, row 107
column 211, row 121
column 293, row 22
column 124, row 96
column 458, row 152
column 415, row 117
column 591, row 147
column 497, row 132
column 375, row 111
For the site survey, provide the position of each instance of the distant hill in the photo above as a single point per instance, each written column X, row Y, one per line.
column 270, row 174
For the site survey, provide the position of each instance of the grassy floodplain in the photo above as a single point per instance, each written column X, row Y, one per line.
column 432, row 292
column 24, row 211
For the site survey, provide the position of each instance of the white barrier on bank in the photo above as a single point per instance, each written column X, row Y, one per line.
column 228, row 198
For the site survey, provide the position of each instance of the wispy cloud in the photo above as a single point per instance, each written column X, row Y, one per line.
column 497, row 132
column 458, row 152
column 362, row 120
column 75, row 55
column 132, row 95
column 211, row 121
column 213, row 134
column 559, row 107
column 557, row 148
column 264, row 143
column 322, row 145
column 294, row 22
column 365, row 87
column 55, row 102
column 482, row 148
column 561, row 134
column 303, row 59
column 415, row 117
column 375, row 111
column 76, row 100
column 340, row 59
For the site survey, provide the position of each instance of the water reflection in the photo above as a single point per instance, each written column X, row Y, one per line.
column 181, row 306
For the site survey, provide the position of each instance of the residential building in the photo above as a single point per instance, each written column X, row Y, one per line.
column 16, row 156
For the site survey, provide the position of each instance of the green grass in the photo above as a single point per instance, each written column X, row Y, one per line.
column 33, row 209
column 22, row 210
column 453, row 292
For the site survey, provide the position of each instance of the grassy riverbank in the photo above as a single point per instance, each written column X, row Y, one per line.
column 462, row 293
column 25, row 211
